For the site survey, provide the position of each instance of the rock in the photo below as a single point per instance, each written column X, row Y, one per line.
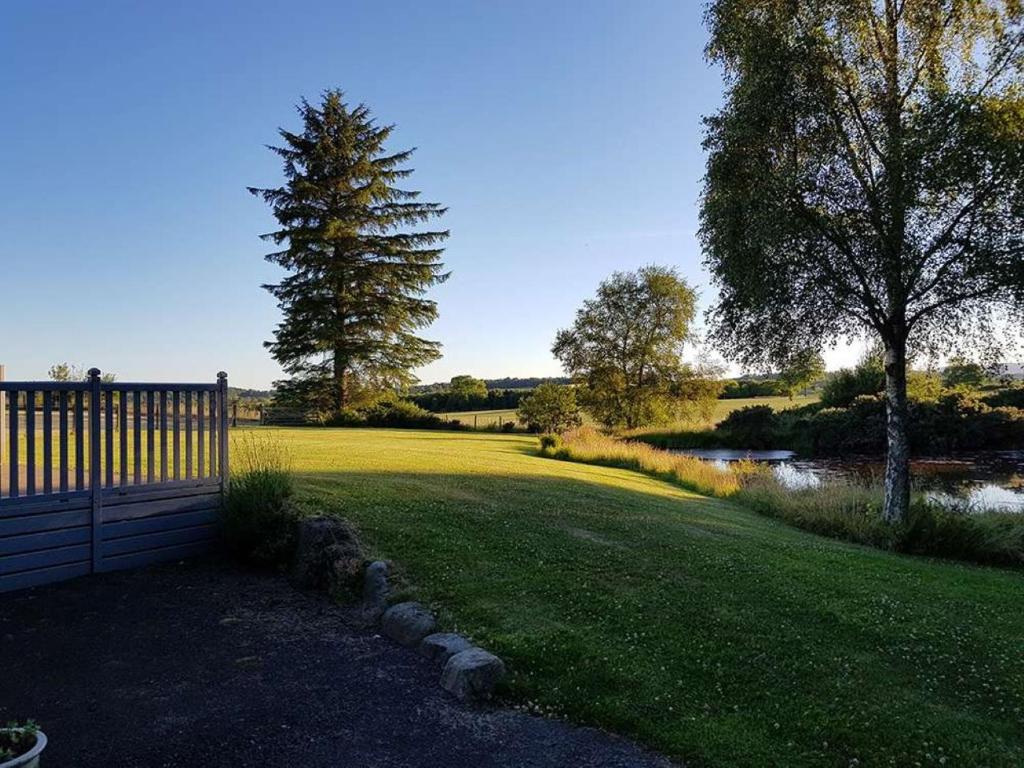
column 375, row 591
column 441, row 646
column 328, row 555
column 407, row 623
column 472, row 674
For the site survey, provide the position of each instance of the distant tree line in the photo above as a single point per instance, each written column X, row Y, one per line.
column 447, row 401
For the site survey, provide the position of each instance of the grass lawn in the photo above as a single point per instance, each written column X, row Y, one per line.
column 705, row 631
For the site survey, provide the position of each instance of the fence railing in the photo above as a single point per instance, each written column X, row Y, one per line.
column 154, row 454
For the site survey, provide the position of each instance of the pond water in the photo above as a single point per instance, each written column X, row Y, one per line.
column 984, row 480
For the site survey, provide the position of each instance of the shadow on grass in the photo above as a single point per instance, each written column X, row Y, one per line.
column 708, row 631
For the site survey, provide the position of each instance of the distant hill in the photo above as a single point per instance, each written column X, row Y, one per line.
column 1010, row 370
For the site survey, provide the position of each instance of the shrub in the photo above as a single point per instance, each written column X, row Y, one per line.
column 751, row 427
column 391, row 412
column 550, row 408
column 549, row 442
column 991, row 538
column 743, row 388
column 844, row 386
column 1011, row 397
column 260, row 514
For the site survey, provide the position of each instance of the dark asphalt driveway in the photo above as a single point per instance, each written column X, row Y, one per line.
column 203, row 664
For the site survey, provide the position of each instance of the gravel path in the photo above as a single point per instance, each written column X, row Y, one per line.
column 200, row 663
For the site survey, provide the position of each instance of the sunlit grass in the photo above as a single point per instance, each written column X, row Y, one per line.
column 719, row 636
column 591, row 446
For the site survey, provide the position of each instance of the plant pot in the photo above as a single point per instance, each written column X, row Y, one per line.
column 29, row 759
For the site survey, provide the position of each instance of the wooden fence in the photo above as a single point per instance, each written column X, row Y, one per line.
column 97, row 476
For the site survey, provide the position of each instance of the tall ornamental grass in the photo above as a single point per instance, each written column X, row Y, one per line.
column 259, row 513
column 590, row 446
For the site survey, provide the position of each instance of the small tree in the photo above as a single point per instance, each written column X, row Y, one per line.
column 66, row 372
column 72, row 372
column 804, row 368
column 866, row 177
column 961, row 372
column 625, row 347
column 465, row 392
column 550, row 408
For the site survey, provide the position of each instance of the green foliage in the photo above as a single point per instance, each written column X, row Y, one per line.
column 753, row 427
column 259, row 516
column 17, row 738
column 550, row 442
column 72, row 372
column 1011, row 397
column 924, row 385
column 625, row 345
column 803, row 368
column 358, row 263
column 963, row 373
column 401, row 413
column 441, row 400
column 390, row 412
column 865, row 176
column 740, row 389
column 550, row 408
column 844, row 386
column 463, row 391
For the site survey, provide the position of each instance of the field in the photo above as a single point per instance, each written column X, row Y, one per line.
column 712, row 634
column 481, row 419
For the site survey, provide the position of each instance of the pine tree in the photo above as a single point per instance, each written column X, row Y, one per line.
column 358, row 264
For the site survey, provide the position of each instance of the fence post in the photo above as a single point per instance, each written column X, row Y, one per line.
column 95, row 469
column 222, row 381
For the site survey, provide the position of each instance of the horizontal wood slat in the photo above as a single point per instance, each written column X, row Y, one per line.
column 34, row 542
column 159, row 523
column 163, row 507
column 152, row 556
column 44, row 559
column 157, row 540
column 55, row 503
column 48, row 521
column 42, row 576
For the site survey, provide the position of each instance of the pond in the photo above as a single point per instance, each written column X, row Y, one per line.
column 984, row 480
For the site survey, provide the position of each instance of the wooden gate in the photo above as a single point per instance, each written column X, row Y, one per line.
column 97, row 476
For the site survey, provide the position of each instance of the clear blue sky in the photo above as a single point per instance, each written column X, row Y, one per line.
column 564, row 137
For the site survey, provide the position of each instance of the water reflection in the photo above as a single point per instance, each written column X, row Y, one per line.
column 985, row 480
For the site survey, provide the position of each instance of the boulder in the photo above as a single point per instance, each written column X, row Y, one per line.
column 407, row 623
column 472, row 674
column 328, row 555
column 441, row 646
column 375, row 590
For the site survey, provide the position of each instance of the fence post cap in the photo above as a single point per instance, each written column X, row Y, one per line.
column 94, row 373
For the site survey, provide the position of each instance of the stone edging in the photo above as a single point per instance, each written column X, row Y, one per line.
column 469, row 672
